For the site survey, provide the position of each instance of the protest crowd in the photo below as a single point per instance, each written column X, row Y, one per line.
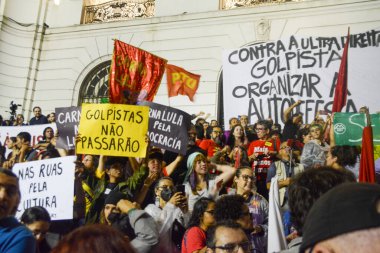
column 215, row 197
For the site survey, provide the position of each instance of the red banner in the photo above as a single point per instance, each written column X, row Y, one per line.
column 340, row 95
column 135, row 74
column 181, row 81
column 367, row 161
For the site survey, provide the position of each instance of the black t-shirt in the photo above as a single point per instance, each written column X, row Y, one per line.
column 290, row 130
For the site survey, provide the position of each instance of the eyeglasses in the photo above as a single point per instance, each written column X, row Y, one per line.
column 246, row 177
column 234, row 247
column 259, row 129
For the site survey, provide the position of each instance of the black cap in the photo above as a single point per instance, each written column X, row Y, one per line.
column 114, row 160
column 114, row 197
column 155, row 153
column 346, row 208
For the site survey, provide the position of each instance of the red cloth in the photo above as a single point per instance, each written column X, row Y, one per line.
column 367, row 161
column 261, row 147
column 194, row 239
column 135, row 74
column 181, row 82
column 209, row 146
column 340, row 95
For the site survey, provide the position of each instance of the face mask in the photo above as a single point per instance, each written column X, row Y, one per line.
column 167, row 194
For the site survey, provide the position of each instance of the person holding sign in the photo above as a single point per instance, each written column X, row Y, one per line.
column 198, row 181
column 154, row 166
column 111, row 180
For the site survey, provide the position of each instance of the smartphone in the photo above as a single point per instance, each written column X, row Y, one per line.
column 181, row 188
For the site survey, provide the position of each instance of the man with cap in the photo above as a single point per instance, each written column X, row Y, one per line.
column 345, row 219
column 14, row 237
column 126, row 216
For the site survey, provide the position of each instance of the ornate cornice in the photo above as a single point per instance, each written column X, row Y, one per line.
column 118, row 10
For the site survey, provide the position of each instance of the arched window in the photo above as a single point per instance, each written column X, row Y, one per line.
column 94, row 88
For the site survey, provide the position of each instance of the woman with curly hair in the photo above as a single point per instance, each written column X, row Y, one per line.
column 194, row 240
column 344, row 157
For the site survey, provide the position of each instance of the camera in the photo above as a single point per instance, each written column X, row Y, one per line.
column 13, row 107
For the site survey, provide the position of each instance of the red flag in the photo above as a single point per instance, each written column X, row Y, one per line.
column 181, row 81
column 135, row 74
column 367, row 161
column 340, row 95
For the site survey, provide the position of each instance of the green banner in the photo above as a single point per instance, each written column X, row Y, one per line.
column 348, row 128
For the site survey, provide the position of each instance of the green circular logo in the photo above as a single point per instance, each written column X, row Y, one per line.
column 339, row 128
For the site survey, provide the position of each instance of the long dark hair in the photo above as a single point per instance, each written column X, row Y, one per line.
column 44, row 133
column 231, row 137
column 199, row 208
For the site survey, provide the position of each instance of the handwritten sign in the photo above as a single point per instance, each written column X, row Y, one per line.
column 168, row 127
column 67, row 120
column 264, row 79
column 113, row 130
column 47, row 183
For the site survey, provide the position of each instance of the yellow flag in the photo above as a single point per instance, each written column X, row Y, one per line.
column 113, row 130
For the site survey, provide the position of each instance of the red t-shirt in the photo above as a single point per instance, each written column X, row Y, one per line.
column 261, row 165
column 194, row 239
column 210, row 146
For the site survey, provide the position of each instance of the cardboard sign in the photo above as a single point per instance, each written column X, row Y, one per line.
column 67, row 121
column 35, row 131
column 263, row 80
column 168, row 127
column 47, row 183
column 113, row 130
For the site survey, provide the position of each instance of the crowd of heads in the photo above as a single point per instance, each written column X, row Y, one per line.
column 215, row 197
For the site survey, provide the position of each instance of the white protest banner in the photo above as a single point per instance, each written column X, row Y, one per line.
column 35, row 131
column 48, row 183
column 262, row 80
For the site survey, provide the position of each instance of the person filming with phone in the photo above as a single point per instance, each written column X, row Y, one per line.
column 170, row 213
